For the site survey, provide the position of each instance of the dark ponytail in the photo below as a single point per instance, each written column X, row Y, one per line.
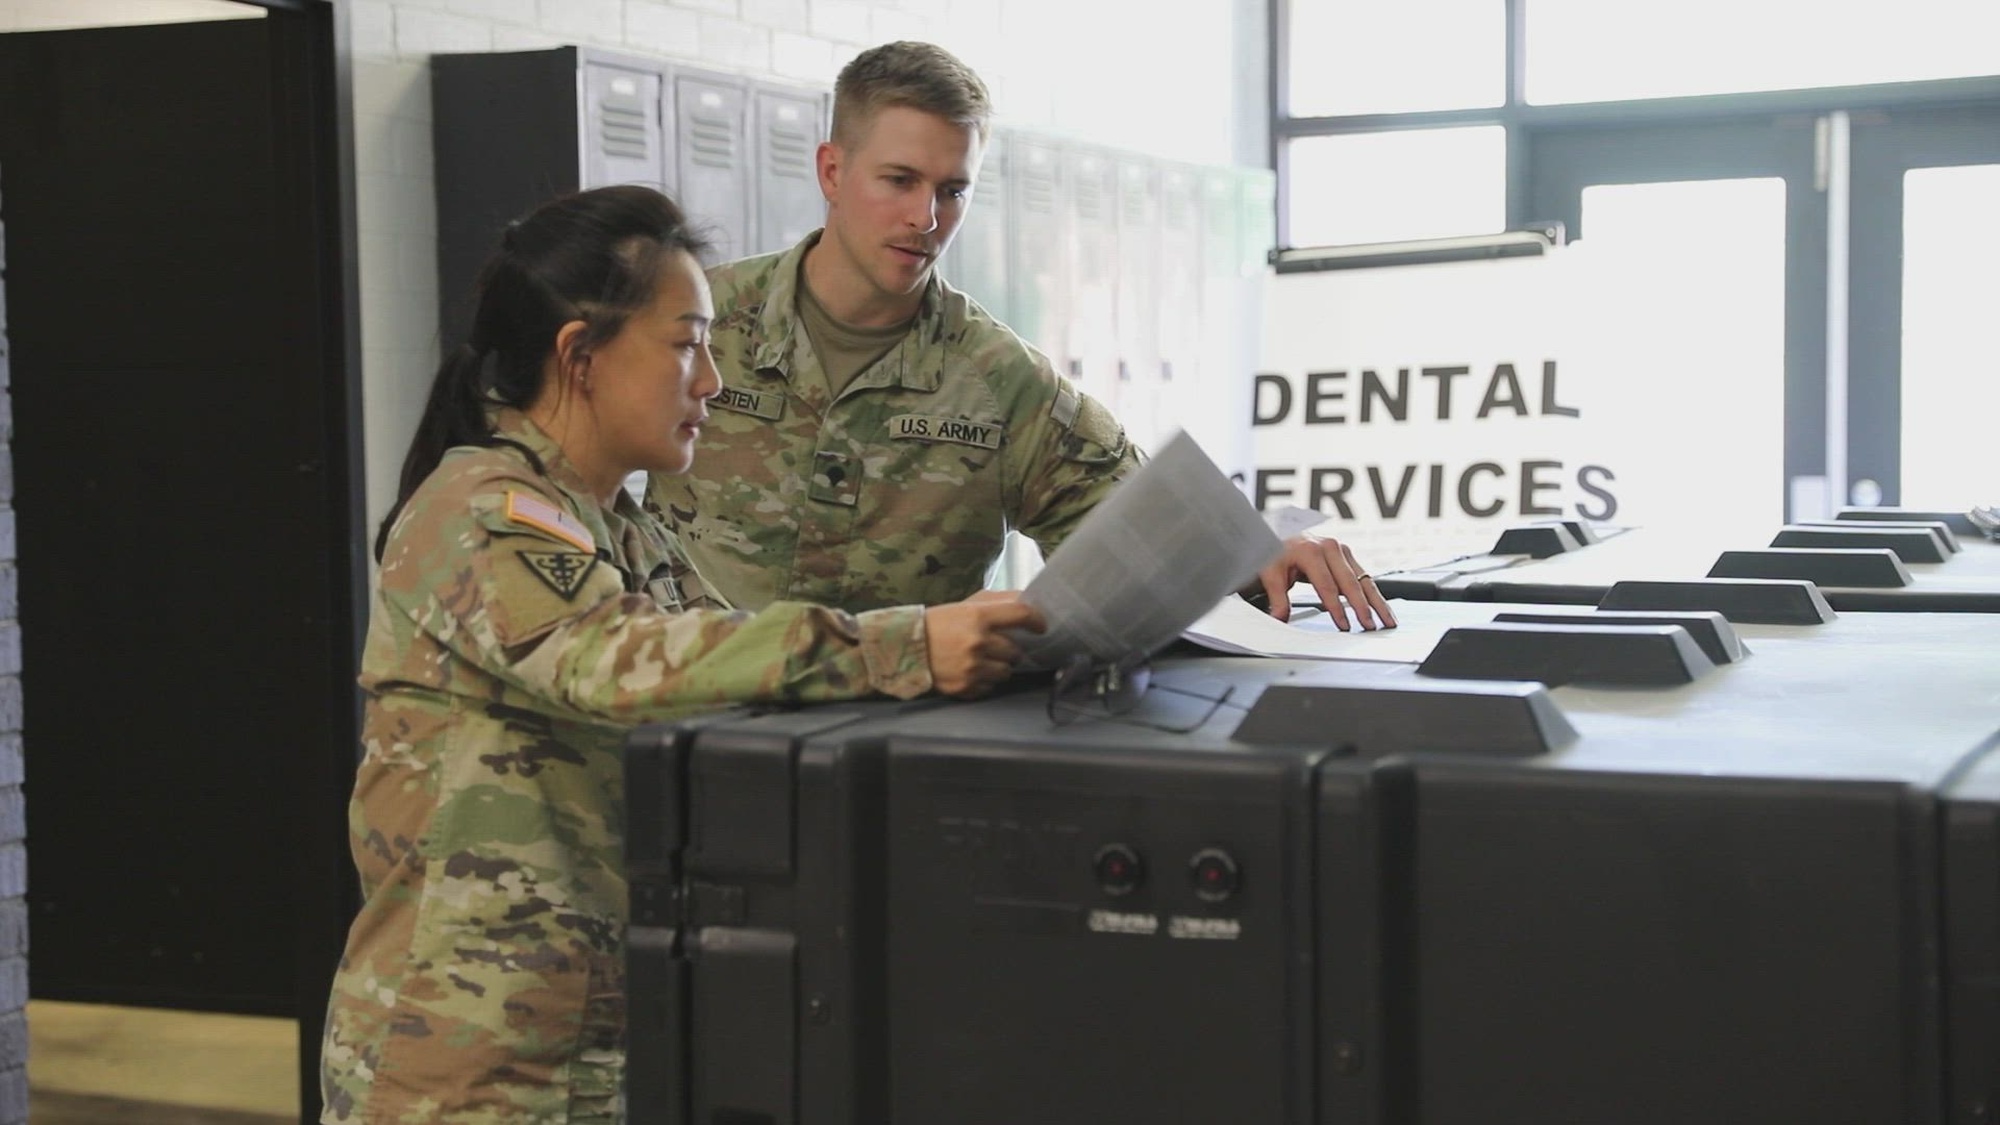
column 595, row 257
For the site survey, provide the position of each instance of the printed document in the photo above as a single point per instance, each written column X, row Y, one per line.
column 1156, row 555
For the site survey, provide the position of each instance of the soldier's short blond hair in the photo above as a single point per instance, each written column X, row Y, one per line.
column 918, row 75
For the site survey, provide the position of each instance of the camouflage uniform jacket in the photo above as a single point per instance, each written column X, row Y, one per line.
column 519, row 628
column 901, row 489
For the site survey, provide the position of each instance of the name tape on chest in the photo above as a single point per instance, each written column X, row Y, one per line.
column 928, row 427
column 768, row 405
column 532, row 511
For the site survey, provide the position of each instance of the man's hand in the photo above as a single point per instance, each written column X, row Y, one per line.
column 969, row 647
column 1330, row 567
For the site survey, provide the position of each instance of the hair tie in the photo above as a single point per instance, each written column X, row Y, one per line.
column 507, row 235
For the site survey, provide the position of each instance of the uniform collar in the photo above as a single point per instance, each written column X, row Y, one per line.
column 914, row 364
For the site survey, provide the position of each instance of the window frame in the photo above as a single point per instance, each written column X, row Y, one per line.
column 1521, row 120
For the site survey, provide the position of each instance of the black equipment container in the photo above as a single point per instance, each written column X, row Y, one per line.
column 1902, row 565
column 940, row 912
column 1766, row 889
column 1728, row 900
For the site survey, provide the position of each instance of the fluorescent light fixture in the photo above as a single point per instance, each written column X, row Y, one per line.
column 1531, row 241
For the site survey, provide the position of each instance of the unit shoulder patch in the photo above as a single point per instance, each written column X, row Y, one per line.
column 561, row 571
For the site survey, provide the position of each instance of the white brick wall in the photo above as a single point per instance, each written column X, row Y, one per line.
column 782, row 15
column 719, row 7
column 730, row 44
column 1059, row 65
column 658, row 29
column 584, row 21
column 524, row 12
column 421, row 33
column 839, row 21
column 807, row 59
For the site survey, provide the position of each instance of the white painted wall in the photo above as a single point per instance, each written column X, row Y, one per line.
column 1176, row 78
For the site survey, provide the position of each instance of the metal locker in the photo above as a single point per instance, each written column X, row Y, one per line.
column 786, row 122
column 511, row 130
column 623, row 131
column 1178, row 297
column 712, row 157
column 1257, row 236
column 1223, row 394
column 1091, row 334
column 1147, row 415
column 1037, row 264
column 976, row 263
column 1257, row 198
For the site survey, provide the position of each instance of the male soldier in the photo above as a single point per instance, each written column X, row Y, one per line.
column 878, row 433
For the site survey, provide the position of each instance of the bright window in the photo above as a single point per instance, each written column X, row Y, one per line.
column 1396, row 56
column 1384, row 187
column 1591, row 50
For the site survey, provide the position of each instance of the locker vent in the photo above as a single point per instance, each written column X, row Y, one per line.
column 1136, row 204
column 788, row 151
column 621, row 128
column 1090, row 194
column 713, row 141
column 1038, row 189
column 1179, row 204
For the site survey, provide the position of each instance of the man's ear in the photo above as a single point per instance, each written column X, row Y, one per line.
column 830, row 161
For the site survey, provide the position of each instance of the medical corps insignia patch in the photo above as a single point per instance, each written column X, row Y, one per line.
column 564, row 571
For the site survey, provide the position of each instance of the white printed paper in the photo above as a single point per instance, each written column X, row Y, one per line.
column 1161, row 550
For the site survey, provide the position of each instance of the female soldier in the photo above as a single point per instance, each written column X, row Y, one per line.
column 528, row 612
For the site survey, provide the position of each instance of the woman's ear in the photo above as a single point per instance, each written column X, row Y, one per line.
column 572, row 356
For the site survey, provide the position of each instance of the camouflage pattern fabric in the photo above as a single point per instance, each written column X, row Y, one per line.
column 518, row 630
column 901, row 489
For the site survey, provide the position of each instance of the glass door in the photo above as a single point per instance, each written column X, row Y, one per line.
column 1707, row 246
column 1924, row 329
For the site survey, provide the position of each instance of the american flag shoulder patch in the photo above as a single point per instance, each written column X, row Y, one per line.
column 525, row 508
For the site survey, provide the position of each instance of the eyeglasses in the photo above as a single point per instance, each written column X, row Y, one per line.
column 1085, row 689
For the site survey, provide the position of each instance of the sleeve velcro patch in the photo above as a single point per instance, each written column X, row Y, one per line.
column 532, row 511
column 1064, row 409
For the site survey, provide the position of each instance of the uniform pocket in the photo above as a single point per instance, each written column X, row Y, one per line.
column 933, row 516
column 597, row 1072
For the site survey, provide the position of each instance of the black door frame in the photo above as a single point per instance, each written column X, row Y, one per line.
column 314, row 188
column 312, row 54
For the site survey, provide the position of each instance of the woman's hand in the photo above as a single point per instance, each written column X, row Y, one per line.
column 969, row 648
